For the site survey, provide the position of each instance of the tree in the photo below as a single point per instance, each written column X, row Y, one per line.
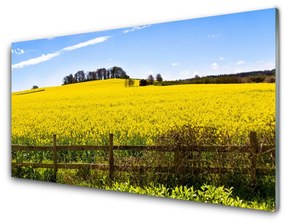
column 143, row 82
column 99, row 74
column 35, row 87
column 129, row 82
column 159, row 78
column 79, row 76
column 65, row 80
column 91, row 76
column 108, row 74
column 102, row 73
column 150, row 79
column 118, row 72
column 269, row 80
column 68, row 79
column 71, row 79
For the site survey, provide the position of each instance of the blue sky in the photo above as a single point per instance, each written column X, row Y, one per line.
column 177, row 50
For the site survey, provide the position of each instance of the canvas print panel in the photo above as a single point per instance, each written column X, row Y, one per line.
column 183, row 110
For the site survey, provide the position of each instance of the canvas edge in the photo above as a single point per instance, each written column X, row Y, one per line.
column 277, row 98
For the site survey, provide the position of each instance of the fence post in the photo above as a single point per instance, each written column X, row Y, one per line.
column 111, row 157
column 54, row 157
column 253, row 156
column 177, row 160
column 141, row 176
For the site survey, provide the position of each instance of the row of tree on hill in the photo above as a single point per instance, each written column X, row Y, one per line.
column 99, row 74
column 266, row 76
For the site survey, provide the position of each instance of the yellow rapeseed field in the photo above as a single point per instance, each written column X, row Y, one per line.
column 86, row 113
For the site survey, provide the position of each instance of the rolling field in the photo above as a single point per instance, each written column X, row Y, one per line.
column 86, row 113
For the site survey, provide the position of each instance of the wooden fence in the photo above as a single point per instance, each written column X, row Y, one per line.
column 254, row 150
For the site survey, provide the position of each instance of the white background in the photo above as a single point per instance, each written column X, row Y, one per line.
column 28, row 201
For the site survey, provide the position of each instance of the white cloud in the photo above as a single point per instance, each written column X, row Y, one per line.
column 221, row 58
column 86, row 43
column 135, row 28
column 214, row 35
column 36, row 60
column 174, row 64
column 240, row 62
column 46, row 57
column 214, row 66
column 17, row 51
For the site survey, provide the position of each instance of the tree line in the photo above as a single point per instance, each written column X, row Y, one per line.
column 266, row 76
column 150, row 80
column 99, row 74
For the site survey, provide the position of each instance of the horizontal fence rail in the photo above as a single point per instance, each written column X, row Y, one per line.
column 253, row 149
column 194, row 148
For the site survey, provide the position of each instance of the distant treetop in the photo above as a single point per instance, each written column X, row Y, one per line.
column 99, row 74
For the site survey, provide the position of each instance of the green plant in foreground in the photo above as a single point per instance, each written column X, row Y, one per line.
column 206, row 194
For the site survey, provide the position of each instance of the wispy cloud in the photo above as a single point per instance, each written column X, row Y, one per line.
column 135, row 28
column 214, row 35
column 87, row 43
column 240, row 62
column 46, row 57
column 17, row 51
column 174, row 64
column 214, row 66
column 221, row 58
column 36, row 60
